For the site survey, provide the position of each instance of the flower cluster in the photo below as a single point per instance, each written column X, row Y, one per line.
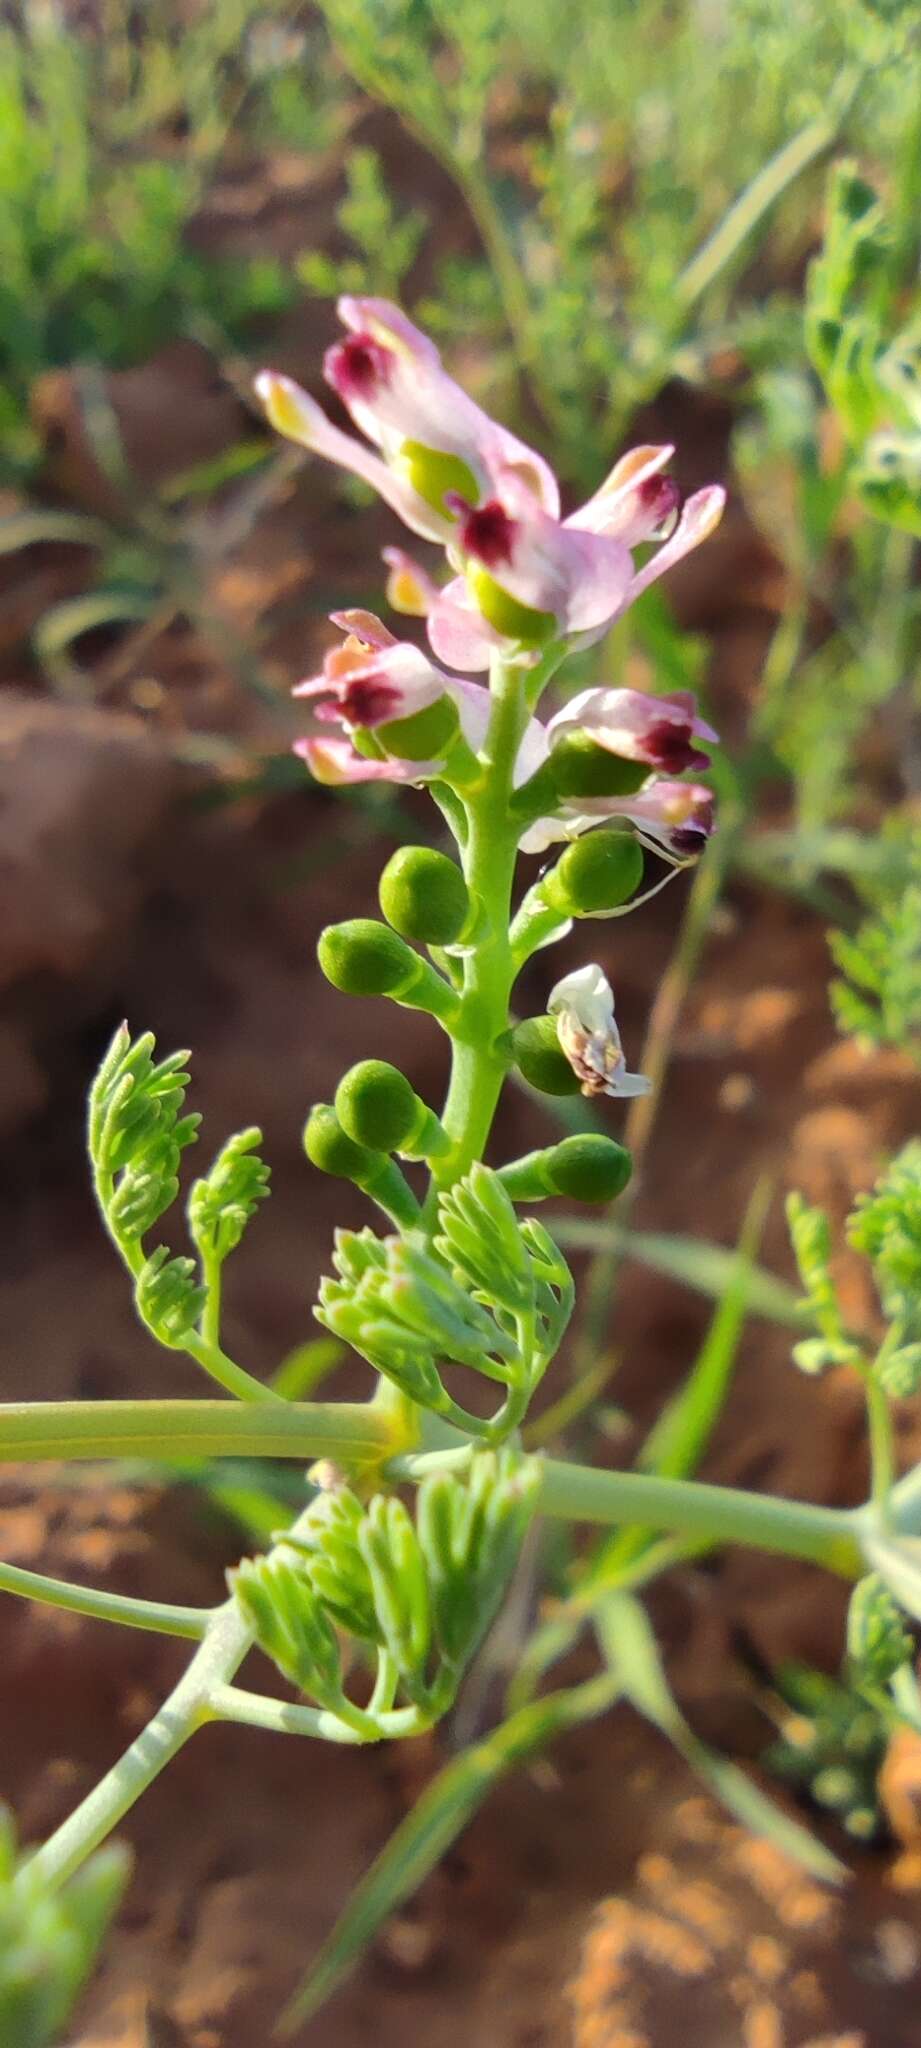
column 526, row 586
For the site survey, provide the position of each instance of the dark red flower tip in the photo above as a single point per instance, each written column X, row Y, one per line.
column 688, row 841
column 369, row 700
column 660, row 497
column 668, row 746
column 358, row 366
column 486, row 531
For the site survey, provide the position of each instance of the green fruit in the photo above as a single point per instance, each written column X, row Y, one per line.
column 423, row 895
column 376, row 1106
column 363, row 958
column 596, row 873
column 540, row 1058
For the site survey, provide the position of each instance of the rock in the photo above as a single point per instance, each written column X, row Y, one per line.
column 81, row 791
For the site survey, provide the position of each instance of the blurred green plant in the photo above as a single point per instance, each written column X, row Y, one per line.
column 109, row 141
column 49, row 1938
column 617, row 201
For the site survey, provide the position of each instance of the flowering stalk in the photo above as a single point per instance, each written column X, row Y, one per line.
column 458, row 1279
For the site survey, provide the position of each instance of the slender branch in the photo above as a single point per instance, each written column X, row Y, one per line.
column 233, row 1378
column 190, row 1705
column 353, row 1433
column 689, row 1507
column 132, row 1613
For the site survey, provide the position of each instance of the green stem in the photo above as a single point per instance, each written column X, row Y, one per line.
column 191, row 1704
column 689, row 1507
column 149, row 1614
column 478, row 1066
column 350, row 1433
column 233, row 1378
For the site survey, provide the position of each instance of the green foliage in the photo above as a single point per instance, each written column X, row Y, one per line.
column 832, row 1740
column 872, row 375
column 49, row 1940
column 878, row 998
column 290, row 1625
column 96, row 196
column 221, row 1205
column 608, row 281
column 419, row 1592
column 878, row 1642
column 169, row 1298
column 886, row 1225
column 385, row 239
column 493, row 1295
column 436, row 1820
column 137, row 1135
column 811, row 1238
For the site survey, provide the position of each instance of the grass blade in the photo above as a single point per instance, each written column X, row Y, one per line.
column 434, row 1823
column 707, row 1268
column 630, row 1649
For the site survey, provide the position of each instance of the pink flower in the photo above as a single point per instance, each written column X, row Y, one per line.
column 659, row 731
column 456, row 476
column 372, row 678
column 579, row 577
column 581, row 570
column 369, row 681
column 432, row 437
column 673, row 819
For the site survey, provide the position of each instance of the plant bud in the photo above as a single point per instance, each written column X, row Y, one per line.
column 589, row 1167
column 330, row 1149
column 363, row 958
column 582, row 768
column 540, row 1057
column 424, row 897
column 595, row 874
column 511, row 618
column 377, row 1106
column 877, row 1639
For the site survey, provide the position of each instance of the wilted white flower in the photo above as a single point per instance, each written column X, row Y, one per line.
column 583, row 1005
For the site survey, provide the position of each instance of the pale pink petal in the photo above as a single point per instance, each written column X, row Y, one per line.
column 366, row 626
column 388, row 325
column 335, row 762
column 633, row 501
column 293, row 413
column 458, row 632
column 701, row 514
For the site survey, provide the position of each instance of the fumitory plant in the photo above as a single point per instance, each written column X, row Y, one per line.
column 374, row 1601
